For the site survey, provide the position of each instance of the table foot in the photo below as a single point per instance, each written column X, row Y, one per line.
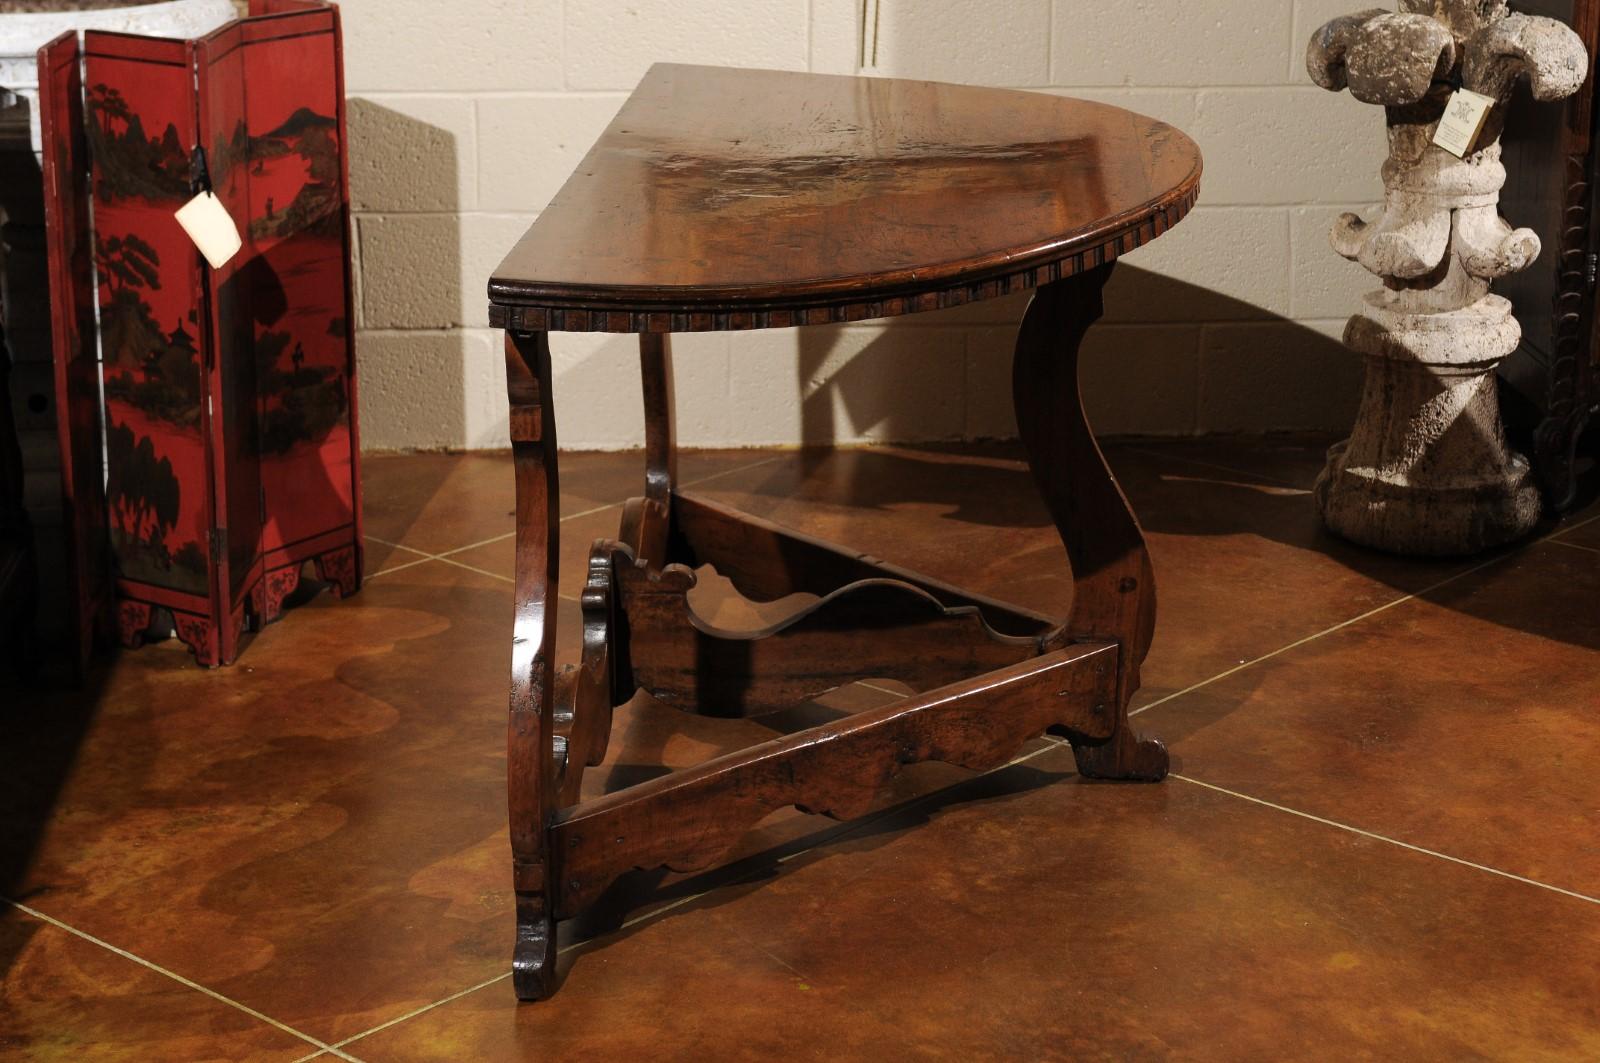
column 1126, row 757
column 533, row 960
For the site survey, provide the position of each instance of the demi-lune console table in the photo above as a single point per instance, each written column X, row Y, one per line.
column 723, row 199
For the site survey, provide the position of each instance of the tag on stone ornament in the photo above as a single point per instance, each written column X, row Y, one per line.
column 211, row 228
column 1463, row 120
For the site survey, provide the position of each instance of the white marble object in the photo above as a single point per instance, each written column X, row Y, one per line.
column 23, row 34
column 1426, row 469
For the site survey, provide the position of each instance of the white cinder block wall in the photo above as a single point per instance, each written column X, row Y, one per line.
column 466, row 117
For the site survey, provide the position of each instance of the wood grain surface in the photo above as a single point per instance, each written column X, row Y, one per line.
column 736, row 199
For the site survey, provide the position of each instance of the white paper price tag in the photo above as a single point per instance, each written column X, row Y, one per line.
column 1463, row 120
column 211, row 228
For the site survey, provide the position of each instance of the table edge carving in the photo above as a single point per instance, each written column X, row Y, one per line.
column 681, row 310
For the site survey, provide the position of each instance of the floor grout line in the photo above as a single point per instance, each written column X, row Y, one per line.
column 1560, row 534
column 664, row 909
column 397, row 1020
column 1553, row 537
column 1575, row 546
column 1320, row 634
column 422, row 555
column 486, row 983
column 1365, row 833
column 322, row 1046
column 504, row 536
column 1212, row 480
column 1215, row 465
column 475, row 568
column 445, row 555
column 735, row 471
column 1391, row 841
column 397, row 568
column 385, row 542
column 1052, row 743
column 1584, row 523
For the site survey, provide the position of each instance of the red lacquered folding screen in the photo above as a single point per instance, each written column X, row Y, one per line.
column 229, row 394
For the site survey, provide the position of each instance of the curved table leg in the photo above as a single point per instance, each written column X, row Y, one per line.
column 647, row 521
column 531, row 768
column 1113, row 586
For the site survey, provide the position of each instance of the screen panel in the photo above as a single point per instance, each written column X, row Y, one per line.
column 298, row 237
column 69, row 246
column 140, row 128
column 239, row 296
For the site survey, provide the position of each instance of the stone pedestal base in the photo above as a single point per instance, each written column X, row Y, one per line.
column 1358, row 504
column 1426, row 470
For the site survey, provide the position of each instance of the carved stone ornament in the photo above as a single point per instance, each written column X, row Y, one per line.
column 1426, row 469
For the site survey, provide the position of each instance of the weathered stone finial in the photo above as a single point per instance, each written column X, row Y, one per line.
column 1426, row 469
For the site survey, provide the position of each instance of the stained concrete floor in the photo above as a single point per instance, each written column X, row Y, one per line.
column 1381, row 839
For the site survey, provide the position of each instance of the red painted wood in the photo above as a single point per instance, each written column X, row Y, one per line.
column 230, row 392
column 70, row 246
column 141, row 124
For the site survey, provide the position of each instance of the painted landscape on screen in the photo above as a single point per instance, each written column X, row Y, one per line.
column 282, row 334
column 137, row 122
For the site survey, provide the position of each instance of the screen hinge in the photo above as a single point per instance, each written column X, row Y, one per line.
column 199, row 172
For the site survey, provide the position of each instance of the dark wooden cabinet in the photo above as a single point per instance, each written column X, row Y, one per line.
column 27, row 432
column 18, row 590
column 1553, row 392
